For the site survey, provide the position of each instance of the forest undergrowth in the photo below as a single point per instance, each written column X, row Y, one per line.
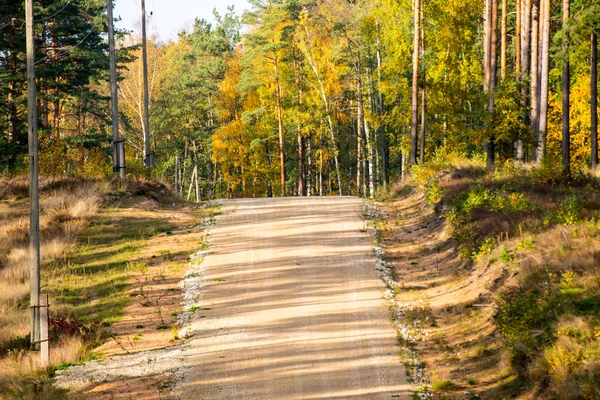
column 506, row 265
column 108, row 250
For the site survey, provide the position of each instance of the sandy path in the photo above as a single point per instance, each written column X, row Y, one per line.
column 294, row 307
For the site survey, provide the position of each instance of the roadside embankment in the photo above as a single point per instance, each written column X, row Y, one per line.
column 501, row 274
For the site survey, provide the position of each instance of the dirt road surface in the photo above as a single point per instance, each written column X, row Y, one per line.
column 292, row 307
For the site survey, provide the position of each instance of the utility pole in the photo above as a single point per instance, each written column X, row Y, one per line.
column 34, row 194
column 148, row 156
column 118, row 145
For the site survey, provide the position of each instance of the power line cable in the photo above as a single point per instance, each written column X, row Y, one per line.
column 56, row 13
column 58, row 56
column 12, row 21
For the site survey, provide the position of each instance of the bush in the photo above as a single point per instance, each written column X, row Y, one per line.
column 566, row 213
column 520, row 312
column 498, row 201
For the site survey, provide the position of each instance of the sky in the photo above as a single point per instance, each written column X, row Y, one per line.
column 169, row 17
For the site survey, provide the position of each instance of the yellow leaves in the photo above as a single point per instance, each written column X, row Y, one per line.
column 228, row 102
column 580, row 122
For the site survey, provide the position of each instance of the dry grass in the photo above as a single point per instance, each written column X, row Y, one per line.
column 93, row 236
column 65, row 210
column 22, row 366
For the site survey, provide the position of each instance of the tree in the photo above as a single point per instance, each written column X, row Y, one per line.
column 415, row 83
column 594, row 101
column 566, row 91
column 544, row 80
column 265, row 50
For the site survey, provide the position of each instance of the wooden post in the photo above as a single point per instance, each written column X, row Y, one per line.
column 44, row 338
column 148, row 156
column 117, row 144
column 34, row 194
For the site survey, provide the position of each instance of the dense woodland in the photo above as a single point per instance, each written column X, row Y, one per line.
column 311, row 97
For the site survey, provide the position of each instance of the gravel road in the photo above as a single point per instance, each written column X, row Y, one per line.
column 292, row 307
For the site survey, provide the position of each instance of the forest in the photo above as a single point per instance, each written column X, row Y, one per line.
column 312, row 97
column 471, row 125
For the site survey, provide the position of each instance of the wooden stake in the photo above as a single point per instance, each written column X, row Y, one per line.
column 44, row 338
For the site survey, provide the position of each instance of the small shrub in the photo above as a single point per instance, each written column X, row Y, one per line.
column 566, row 213
column 506, row 256
column 486, row 248
column 520, row 312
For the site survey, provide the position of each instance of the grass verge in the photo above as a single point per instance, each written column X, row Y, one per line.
column 111, row 257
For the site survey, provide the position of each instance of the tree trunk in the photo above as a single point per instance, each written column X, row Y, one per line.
column 518, row 40
column 525, row 61
column 359, row 149
column 503, row 41
column 301, row 165
column 544, row 75
column 423, row 104
column 309, row 168
column 371, row 136
column 415, row 84
column 280, row 126
column 566, row 93
column 493, row 72
column 423, row 109
column 360, row 125
column 534, row 116
column 382, row 134
column 594, row 101
column 487, row 19
column 321, row 174
column 371, row 153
